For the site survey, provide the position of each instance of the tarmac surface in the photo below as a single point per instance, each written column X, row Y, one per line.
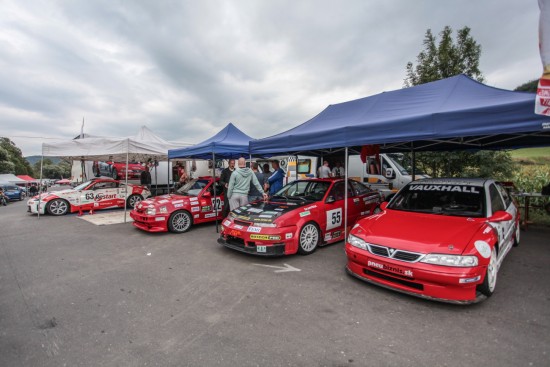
column 76, row 294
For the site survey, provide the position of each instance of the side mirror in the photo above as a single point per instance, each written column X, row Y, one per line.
column 500, row 216
column 389, row 173
column 384, row 205
column 330, row 199
column 207, row 194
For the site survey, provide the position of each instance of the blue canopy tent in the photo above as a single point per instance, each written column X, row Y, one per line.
column 230, row 142
column 449, row 114
column 456, row 113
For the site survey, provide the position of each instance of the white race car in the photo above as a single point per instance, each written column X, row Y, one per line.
column 101, row 193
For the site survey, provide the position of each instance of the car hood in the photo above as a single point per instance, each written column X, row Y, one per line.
column 267, row 212
column 418, row 232
column 158, row 201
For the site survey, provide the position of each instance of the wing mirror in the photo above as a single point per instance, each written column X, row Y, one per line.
column 500, row 216
column 330, row 199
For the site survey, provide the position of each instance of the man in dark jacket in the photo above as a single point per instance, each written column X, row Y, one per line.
column 224, row 180
column 275, row 181
column 145, row 178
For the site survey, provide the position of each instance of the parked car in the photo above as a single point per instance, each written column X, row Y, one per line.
column 441, row 239
column 301, row 216
column 13, row 192
column 193, row 203
column 117, row 170
column 102, row 193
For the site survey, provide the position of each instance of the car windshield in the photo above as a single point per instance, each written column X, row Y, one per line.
column 82, row 186
column 303, row 191
column 448, row 199
column 193, row 187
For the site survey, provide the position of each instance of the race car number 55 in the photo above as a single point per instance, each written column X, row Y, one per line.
column 334, row 218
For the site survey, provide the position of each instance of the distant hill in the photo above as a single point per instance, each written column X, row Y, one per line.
column 36, row 158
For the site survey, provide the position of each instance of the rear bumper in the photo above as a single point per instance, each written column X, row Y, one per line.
column 235, row 244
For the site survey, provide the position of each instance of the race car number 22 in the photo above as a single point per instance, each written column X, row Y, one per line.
column 334, row 218
column 217, row 204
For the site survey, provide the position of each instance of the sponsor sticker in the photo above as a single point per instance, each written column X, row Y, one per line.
column 238, row 226
column 159, row 219
column 328, row 236
column 235, row 233
column 356, row 200
column 270, row 213
column 278, row 209
column 178, row 205
column 206, row 208
column 195, row 209
column 305, row 214
column 163, row 209
column 177, row 202
column 288, row 236
column 448, row 188
column 310, row 207
column 226, row 222
column 483, row 248
column 195, row 216
column 336, row 234
column 334, row 218
column 263, row 220
column 264, row 216
column 266, row 237
column 255, row 210
column 370, row 200
column 210, row 215
column 390, row 268
column 254, row 229
column 238, row 211
column 164, row 201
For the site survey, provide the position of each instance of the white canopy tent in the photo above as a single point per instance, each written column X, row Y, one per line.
column 140, row 147
column 10, row 178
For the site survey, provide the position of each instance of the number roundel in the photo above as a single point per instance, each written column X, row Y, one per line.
column 334, row 218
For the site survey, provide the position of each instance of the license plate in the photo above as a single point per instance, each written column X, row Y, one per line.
column 261, row 249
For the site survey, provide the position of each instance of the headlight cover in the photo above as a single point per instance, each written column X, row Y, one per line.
column 357, row 242
column 151, row 210
column 450, row 260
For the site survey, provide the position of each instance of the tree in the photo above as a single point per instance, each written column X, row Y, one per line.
column 443, row 60
column 529, row 86
column 11, row 159
column 446, row 59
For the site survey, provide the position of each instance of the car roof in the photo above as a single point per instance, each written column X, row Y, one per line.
column 451, row 181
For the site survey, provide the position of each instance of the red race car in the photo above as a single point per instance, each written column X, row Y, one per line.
column 193, row 203
column 117, row 170
column 101, row 193
column 441, row 239
column 301, row 216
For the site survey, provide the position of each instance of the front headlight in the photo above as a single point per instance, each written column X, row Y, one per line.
column 357, row 242
column 450, row 260
column 269, row 225
column 151, row 210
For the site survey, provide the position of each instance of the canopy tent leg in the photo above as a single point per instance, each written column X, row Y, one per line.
column 346, row 196
column 126, row 180
column 214, row 189
column 40, row 186
column 413, row 157
column 168, row 178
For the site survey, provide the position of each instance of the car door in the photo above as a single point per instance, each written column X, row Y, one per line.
column 333, row 221
column 511, row 208
column 105, row 194
column 504, row 228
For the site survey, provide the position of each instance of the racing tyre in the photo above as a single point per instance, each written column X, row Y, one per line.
column 180, row 221
column 114, row 174
column 517, row 236
column 489, row 283
column 57, row 207
column 133, row 200
column 309, row 239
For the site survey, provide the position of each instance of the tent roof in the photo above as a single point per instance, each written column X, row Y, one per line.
column 144, row 144
column 26, row 178
column 10, row 178
column 230, row 142
column 449, row 114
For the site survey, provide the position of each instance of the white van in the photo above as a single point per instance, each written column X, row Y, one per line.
column 295, row 167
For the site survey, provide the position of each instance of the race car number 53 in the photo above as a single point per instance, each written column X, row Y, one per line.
column 334, row 218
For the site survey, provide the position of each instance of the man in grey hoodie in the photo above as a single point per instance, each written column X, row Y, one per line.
column 239, row 185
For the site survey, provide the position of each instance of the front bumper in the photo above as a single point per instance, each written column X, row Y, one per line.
column 239, row 245
column 149, row 223
column 32, row 206
column 421, row 280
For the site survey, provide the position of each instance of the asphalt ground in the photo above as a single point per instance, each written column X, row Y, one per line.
column 76, row 294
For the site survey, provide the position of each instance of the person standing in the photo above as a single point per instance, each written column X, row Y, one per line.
column 145, row 178
column 239, row 185
column 255, row 194
column 224, row 180
column 338, row 170
column 324, row 170
column 182, row 175
column 275, row 181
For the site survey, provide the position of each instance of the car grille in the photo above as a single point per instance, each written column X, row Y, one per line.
column 395, row 254
column 242, row 223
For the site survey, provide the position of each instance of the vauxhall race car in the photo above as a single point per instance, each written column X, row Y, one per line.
column 117, row 170
column 301, row 216
column 102, row 193
column 193, row 203
column 441, row 239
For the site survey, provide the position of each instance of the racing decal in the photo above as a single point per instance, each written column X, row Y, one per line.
column 159, row 219
column 206, row 208
column 483, row 248
column 328, row 236
column 243, row 217
column 235, row 233
column 390, row 268
column 195, row 209
column 164, row 201
column 254, row 229
column 263, row 220
column 237, row 211
column 270, row 212
column 356, row 200
column 163, row 209
column 305, row 214
column 255, row 210
column 264, row 216
column 217, row 204
column 487, row 230
column 310, row 207
column 178, row 205
column 336, row 234
column 96, row 205
column 227, row 222
column 238, row 226
column 177, row 201
column 100, row 196
column 449, row 188
column 267, row 237
column 210, row 215
column 370, row 200
column 334, row 218
column 288, row 236
column 195, row 216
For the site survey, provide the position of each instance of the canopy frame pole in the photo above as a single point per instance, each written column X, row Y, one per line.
column 168, row 176
column 126, row 180
column 40, row 186
column 413, row 157
column 214, row 188
column 346, row 197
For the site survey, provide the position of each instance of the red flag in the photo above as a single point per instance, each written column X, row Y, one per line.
column 369, row 150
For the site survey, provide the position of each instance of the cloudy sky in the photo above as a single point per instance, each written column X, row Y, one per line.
column 187, row 68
